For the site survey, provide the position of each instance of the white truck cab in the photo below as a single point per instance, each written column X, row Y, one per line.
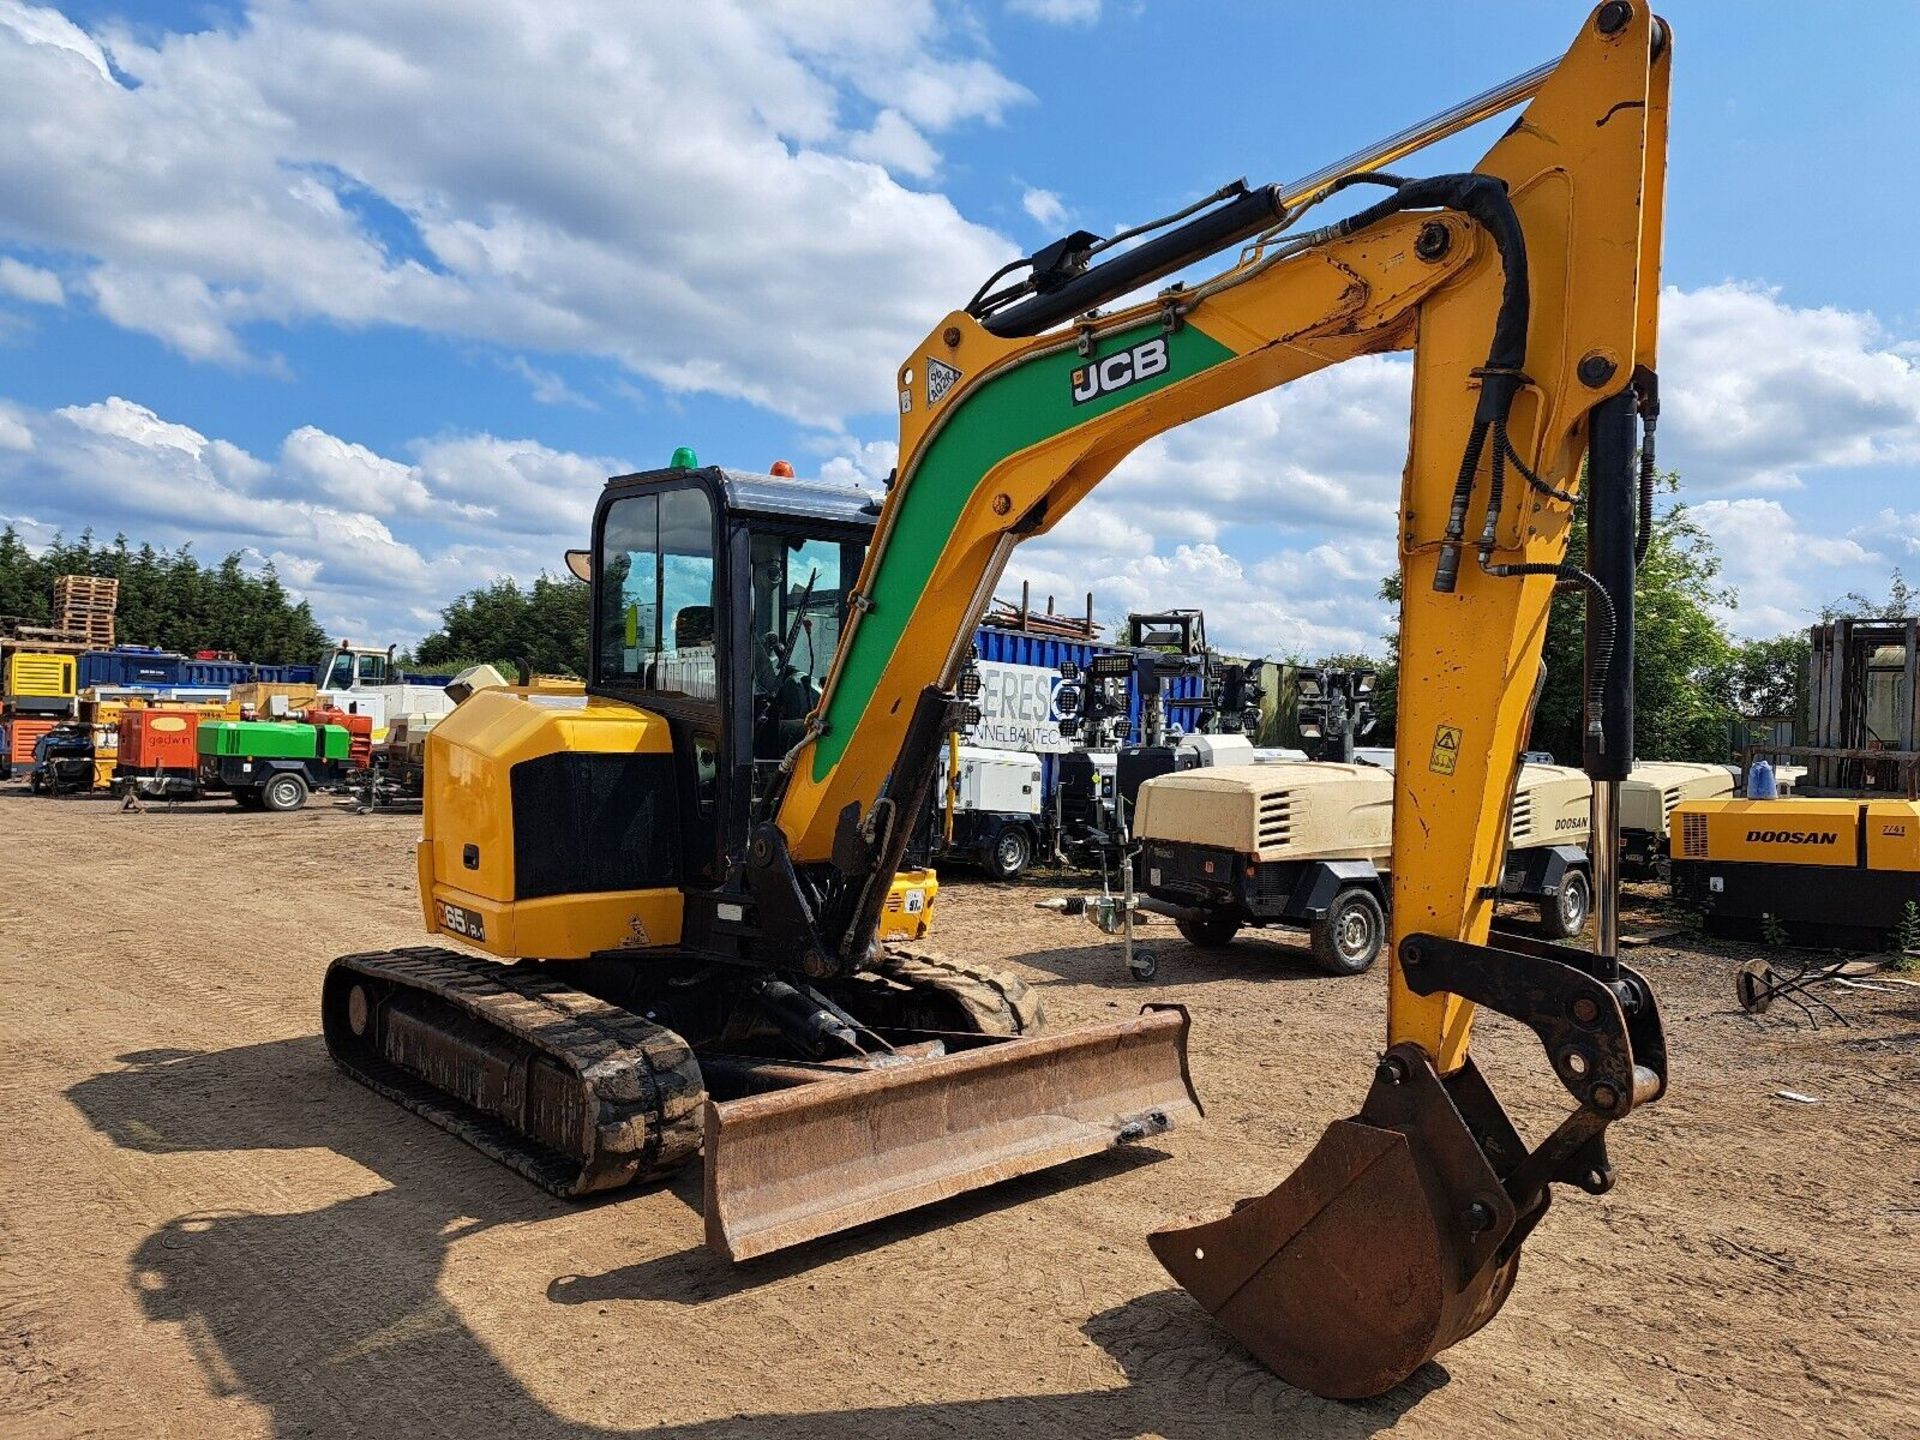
column 363, row 680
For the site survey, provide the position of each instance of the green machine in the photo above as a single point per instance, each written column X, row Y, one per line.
column 271, row 765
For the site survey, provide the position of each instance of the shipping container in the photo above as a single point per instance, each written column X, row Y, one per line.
column 225, row 672
column 137, row 666
column 148, row 668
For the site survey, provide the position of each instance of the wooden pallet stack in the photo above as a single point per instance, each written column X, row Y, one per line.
column 19, row 634
column 84, row 606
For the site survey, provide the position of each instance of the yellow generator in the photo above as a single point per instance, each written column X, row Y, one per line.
column 39, row 684
column 908, row 914
column 1836, row 872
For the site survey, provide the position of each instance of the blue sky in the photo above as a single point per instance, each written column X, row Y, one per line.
column 381, row 290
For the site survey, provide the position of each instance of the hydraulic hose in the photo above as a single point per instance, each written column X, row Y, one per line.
column 1484, row 200
column 1600, row 656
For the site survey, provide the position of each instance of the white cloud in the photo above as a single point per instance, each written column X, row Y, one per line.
column 1782, row 571
column 1058, row 12
column 374, row 542
column 1757, row 393
column 47, row 28
column 351, row 475
column 123, row 420
column 868, row 464
column 548, row 388
column 29, row 282
column 1045, row 208
column 1307, row 603
column 688, row 190
column 523, row 485
column 893, row 141
column 180, row 309
column 1322, row 454
column 1891, row 534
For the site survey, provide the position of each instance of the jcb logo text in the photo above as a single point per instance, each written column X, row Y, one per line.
column 1117, row 371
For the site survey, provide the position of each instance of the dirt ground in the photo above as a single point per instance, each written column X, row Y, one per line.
column 210, row 1232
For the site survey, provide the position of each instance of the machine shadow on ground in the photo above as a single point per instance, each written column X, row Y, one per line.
column 696, row 1275
column 1275, row 955
column 333, row 1320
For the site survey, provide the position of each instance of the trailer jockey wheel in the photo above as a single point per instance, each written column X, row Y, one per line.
column 1144, row 965
column 1754, row 984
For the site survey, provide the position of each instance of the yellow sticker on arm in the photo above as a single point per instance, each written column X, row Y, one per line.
column 1446, row 750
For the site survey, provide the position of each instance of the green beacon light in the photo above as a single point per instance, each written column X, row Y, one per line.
column 684, row 459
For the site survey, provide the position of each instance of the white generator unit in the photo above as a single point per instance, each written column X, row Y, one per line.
column 1647, row 797
column 996, row 796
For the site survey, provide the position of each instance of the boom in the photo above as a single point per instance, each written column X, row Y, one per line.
column 1527, row 291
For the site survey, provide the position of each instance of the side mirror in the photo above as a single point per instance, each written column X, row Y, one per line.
column 580, row 565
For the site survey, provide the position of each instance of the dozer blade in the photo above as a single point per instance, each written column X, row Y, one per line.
column 1393, row 1240
column 796, row 1164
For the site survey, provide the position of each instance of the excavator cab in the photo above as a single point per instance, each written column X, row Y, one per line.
column 718, row 601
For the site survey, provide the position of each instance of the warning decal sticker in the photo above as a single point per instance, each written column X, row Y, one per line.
column 940, row 379
column 1446, row 750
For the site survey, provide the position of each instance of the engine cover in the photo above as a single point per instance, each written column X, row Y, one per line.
column 551, row 827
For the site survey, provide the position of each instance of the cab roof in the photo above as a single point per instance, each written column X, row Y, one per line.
column 777, row 497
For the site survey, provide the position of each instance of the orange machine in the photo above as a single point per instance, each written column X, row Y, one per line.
column 359, row 730
column 159, row 755
column 159, row 740
column 22, row 734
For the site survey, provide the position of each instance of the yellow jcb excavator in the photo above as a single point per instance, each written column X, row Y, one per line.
column 689, row 863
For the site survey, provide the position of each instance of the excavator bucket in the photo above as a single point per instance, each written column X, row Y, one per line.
column 1394, row 1239
column 791, row 1165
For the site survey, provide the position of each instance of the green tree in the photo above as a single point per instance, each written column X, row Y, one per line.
column 167, row 598
column 1897, row 604
column 1682, row 654
column 1767, row 679
column 544, row 624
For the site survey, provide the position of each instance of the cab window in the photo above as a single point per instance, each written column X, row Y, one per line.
column 656, row 618
column 800, row 586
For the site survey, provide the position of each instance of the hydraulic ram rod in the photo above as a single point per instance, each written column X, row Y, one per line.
column 1435, row 127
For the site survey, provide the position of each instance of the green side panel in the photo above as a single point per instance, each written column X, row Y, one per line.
column 1011, row 413
column 259, row 739
column 334, row 741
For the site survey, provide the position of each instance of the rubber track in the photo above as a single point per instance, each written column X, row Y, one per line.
column 642, row 1077
column 1000, row 1002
